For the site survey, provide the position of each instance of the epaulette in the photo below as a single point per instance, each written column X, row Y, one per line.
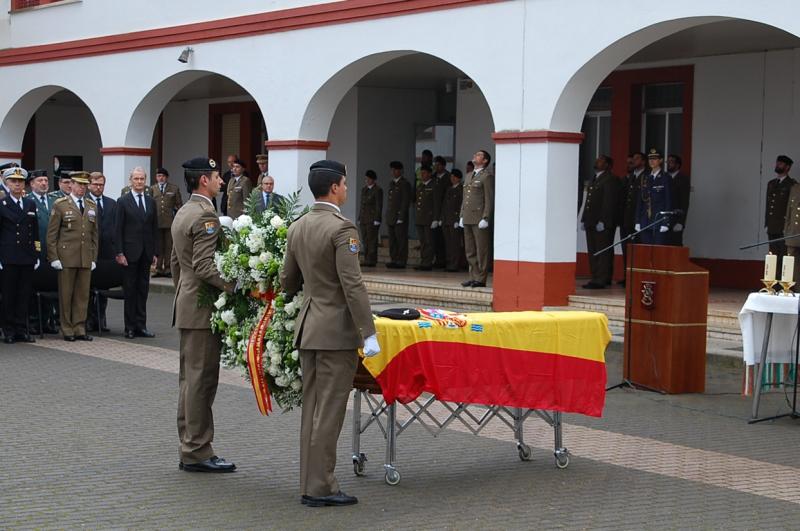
column 89, row 201
column 62, row 199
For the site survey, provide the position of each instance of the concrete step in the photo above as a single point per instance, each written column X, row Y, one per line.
column 430, row 294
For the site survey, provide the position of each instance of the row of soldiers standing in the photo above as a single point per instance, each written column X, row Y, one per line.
column 649, row 197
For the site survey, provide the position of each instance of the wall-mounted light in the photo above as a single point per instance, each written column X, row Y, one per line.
column 185, row 54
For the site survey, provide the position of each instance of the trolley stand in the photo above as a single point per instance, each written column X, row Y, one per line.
column 423, row 412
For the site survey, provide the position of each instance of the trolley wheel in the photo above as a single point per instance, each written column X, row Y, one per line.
column 525, row 453
column 359, row 464
column 392, row 477
column 562, row 458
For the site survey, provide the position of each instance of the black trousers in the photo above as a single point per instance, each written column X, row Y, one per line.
column 398, row 243
column 777, row 248
column 602, row 266
column 136, row 285
column 17, row 284
column 439, row 249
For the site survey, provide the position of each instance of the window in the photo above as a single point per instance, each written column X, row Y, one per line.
column 597, row 131
column 662, row 118
column 17, row 5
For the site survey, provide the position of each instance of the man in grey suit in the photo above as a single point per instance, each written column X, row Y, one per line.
column 268, row 199
column 322, row 259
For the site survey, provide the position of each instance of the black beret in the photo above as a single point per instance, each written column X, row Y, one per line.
column 785, row 160
column 402, row 314
column 371, row 174
column 426, row 168
column 8, row 165
column 457, row 173
column 162, row 171
column 36, row 173
column 201, row 164
column 330, row 166
column 396, row 164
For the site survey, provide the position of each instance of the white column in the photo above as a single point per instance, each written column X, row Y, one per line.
column 117, row 167
column 289, row 161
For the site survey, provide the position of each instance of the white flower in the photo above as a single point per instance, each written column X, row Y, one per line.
column 297, row 385
column 270, row 347
column 253, row 262
column 230, row 341
column 289, row 325
column 274, row 370
column 276, row 325
column 277, row 222
column 221, row 301
column 280, row 381
column 255, row 240
column 275, row 358
column 294, row 355
column 242, row 222
column 265, row 257
column 228, row 317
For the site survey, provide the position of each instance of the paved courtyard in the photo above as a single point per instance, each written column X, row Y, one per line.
column 89, row 440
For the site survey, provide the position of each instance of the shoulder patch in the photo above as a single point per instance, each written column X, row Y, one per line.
column 210, row 227
column 353, row 245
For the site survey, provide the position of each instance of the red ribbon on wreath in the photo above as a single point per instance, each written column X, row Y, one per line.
column 255, row 353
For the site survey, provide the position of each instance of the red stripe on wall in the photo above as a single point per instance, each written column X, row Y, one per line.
column 535, row 137
column 144, row 152
column 312, row 145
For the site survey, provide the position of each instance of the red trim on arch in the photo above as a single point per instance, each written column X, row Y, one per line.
column 535, row 137
column 143, row 152
column 11, row 154
column 310, row 145
column 230, row 28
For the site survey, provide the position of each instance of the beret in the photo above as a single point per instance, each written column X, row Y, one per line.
column 162, row 171
column 37, row 173
column 396, row 164
column 80, row 177
column 402, row 314
column 457, row 173
column 785, row 160
column 329, row 166
column 15, row 173
column 200, row 163
column 371, row 174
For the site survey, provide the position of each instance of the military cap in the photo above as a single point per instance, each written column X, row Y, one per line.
column 330, row 166
column 36, row 173
column 200, row 164
column 396, row 164
column 240, row 162
column 80, row 177
column 162, row 171
column 371, row 174
column 654, row 154
column 785, row 160
column 263, row 157
column 15, row 173
column 457, row 173
column 401, row 314
column 426, row 168
column 8, row 165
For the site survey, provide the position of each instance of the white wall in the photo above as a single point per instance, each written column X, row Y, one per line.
column 474, row 126
column 343, row 137
column 66, row 130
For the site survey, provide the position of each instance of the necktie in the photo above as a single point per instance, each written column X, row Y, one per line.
column 266, row 199
column 43, row 199
column 141, row 203
column 99, row 201
column 162, row 189
column 80, row 204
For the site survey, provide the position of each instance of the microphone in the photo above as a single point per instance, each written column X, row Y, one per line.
column 675, row 212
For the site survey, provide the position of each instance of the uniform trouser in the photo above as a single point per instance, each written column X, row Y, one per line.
column 17, row 283
column 476, row 246
column 73, row 299
column 794, row 251
column 198, row 377
column 624, row 232
column 426, row 245
column 602, row 267
column 398, row 243
column 327, row 381
column 164, row 250
column 136, row 285
column 454, row 246
column 439, row 247
column 370, row 235
column 777, row 248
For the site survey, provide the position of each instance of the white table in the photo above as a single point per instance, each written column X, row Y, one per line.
column 768, row 323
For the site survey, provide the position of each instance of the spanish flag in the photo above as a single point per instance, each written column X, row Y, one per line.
column 537, row 360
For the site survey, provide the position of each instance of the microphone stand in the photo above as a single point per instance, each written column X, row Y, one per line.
column 626, row 382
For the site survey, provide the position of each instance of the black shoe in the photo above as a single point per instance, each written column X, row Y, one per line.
column 69, row 338
column 592, row 285
column 50, row 329
column 105, row 329
column 24, row 338
column 167, row 275
column 476, row 284
column 9, row 339
column 144, row 332
column 84, row 337
column 468, row 283
column 213, row 464
column 340, row 498
column 129, row 334
column 423, row 268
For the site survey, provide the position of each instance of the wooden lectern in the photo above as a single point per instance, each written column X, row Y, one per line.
column 666, row 311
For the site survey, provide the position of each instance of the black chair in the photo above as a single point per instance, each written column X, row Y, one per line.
column 45, row 286
column 105, row 278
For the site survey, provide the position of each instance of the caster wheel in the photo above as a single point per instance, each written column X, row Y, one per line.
column 392, row 477
column 562, row 458
column 359, row 464
column 525, row 453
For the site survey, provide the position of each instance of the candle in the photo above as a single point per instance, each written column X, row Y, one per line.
column 770, row 266
column 787, row 270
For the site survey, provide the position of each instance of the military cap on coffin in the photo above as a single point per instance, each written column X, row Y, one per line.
column 402, row 314
column 200, row 163
column 15, row 173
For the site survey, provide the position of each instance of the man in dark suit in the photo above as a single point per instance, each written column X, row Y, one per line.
column 45, row 277
column 19, row 255
column 135, row 243
column 269, row 199
column 681, row 189
column 106, row 212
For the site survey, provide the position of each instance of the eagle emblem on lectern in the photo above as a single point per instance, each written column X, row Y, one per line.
column 648, row 294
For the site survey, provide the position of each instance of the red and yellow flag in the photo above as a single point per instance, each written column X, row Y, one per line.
column 255, row 357
column 536, row 360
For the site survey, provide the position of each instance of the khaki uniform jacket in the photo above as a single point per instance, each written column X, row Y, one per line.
column 451, row 208
column 792, row 226
column 398, row 201
column 167, row 204
column 478, row 202
column 777, row 200
column 238, row 192
column 371, row 205
column 322, row 259
column 602, row 193
column 425, row 206
column 195, row 233
column 441, row 184
column 72, row 237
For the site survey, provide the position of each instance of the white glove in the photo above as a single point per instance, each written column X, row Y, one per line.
column 399, row 222
column 434, row 224
column 600, row 227
column 1, row 267
column 637, row 227
column 583, row 226
column 456, row 225
column 35, row 266
column 663, row 228
column 94, row 266
column 461, row 222
column 56, row 264
column 678, row 227
column 483, row 224
column 376, row 223
column 226, row 221
column 371, row 346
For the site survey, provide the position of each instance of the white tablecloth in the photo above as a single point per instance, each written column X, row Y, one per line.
column 753, row 318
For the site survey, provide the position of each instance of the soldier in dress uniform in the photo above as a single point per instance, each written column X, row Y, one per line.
column 40, row 183
column 239, row 188
column 476, row 211
column 441, row 179
column 777, row 200
column 629, row 194
column 168, row 200
column 655, row 196
column 262, row 161
column 4, row 191
column 19, row 255
column 64, row 183
column 322, row 259
column 72, row 244
column 602, row 192
column 397, row 203
column 451, row 213
column 791, row 229
column 681, row 189
column 426, row 217
column 369, row 217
